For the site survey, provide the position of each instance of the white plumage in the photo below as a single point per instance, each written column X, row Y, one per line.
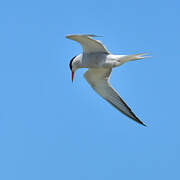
column 100, row 62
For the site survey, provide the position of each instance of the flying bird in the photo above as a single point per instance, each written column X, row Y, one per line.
column 100, row 62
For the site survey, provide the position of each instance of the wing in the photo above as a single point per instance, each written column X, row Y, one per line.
column 88, row 44
column 98, row 79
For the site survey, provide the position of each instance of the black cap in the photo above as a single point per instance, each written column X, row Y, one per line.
column 70, row 64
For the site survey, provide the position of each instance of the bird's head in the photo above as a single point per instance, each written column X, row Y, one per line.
column 73, row 65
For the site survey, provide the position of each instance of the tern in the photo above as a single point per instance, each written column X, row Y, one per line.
column 100, row 62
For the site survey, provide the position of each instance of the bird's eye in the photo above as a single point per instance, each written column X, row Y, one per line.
column 76, row 63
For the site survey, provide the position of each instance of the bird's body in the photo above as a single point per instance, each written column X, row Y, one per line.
column 100, row 62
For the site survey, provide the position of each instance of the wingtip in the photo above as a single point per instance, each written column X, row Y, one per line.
column 140, row 122
column 144, row 124
column 90, row 35
column 68, row 35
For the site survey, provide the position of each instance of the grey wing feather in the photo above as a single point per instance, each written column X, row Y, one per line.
column 88, row 44
column 98, row 79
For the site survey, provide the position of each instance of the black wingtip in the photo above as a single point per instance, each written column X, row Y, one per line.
column 70, row 63
column 138, row 121
column 142, row 124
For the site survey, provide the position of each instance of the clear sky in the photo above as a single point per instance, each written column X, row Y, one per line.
column 52, row 129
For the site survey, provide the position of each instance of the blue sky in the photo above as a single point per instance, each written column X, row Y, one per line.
column 53, row 129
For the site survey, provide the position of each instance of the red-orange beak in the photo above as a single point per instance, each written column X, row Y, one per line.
column 72, row 75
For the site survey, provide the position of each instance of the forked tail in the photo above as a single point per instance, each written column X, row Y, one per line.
column 135, row 57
